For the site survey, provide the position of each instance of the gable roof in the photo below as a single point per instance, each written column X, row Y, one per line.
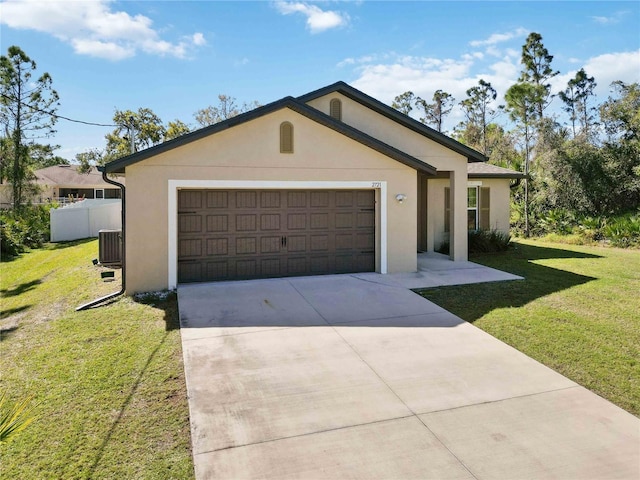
column 119, row 165
column 486, row 170
column 398, row 117
column 68, row 175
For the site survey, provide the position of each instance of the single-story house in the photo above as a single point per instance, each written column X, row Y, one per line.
column 333, row 181
column 64, row 183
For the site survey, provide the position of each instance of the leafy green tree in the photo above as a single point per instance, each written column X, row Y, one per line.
column 575, row 98
column 434, row 113
column 479, row 113
column 404, row 102
column 88, row 159
column 502, row 146
column 42, row 156
column 225, row 109
column 26, row 112
column 621, row 117
column 135, row 131
column 522, row 105
column 175, row 129
column 537, row 70
column 621, row 113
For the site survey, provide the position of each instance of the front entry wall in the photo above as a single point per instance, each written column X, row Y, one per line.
column 245, row 234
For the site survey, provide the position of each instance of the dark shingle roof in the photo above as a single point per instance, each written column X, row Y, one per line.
column 486, row 170
column 68, row 175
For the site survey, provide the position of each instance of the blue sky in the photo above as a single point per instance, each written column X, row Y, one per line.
column 176, row 57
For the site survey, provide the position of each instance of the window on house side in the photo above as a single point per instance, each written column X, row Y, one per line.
column 335, row 109
column 478, row 208
column 286, row 137
column 447, row 209
column 472, row 208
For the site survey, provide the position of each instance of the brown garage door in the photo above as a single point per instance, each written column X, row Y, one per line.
column 243, row 234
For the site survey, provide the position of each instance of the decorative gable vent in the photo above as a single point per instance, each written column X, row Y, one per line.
column 286, row 137
column 335, row 109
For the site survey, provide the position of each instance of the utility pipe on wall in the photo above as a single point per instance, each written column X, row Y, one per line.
column 100, row 300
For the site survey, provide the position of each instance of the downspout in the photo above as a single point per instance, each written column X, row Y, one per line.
column 100, row 300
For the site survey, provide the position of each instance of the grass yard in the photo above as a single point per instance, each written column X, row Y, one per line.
column 577, row 311
column 108, row 383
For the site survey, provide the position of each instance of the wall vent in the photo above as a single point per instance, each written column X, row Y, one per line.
column 110, row 247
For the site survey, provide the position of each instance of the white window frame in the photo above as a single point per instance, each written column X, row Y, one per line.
column 95, row 193
column 175, row 185
column 477, row 207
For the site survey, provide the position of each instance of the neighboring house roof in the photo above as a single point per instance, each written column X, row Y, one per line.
column 68, row 176
column 393, row 114
column 119, row 165
column 486, row 170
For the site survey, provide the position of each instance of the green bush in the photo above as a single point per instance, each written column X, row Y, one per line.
column 483, row 241
column 623, row 231
column 488, row 241
column 25, row 227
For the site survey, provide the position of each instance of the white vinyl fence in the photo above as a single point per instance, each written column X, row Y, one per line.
column 84, row 219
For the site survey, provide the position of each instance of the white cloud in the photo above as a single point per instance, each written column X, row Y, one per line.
column 93, row 28
column 611, row 20
column 318, row 20
column 198, row 39
column 496, row 38
column 610, row 67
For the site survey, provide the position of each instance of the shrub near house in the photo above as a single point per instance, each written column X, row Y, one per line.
column 22, row 228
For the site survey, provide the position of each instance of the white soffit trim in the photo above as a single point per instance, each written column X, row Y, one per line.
column 175, row 185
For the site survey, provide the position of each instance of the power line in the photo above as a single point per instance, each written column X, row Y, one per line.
column 62, row 117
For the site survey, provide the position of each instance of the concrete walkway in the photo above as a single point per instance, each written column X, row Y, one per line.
column 355, row 376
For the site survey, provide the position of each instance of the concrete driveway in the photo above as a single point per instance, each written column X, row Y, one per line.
column 349, row 376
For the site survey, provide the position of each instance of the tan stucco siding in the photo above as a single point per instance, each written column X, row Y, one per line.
column 498, row 212
column 500, row 202
column 392, row 133
column 251, row 152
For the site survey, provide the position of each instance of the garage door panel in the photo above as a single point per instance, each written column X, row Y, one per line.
column 271, row 199
column 190, row 247
column 190, row 272
column 246, row 246
column 270, row 221
column 365, row 219
column 217, row 246
column 297, row 221
column 189, row 199
column 365, row 198
column 319, row 221
column 217, row 223
column 296, row 243
column 344, row 241
column 319, row 243
column 239, row 234
column 246, row 222
column 296, row 199
column 190, row 224
column 319, row 199
column 216, row 271
column 217, row 199
column 270, row 245
column 344, row 199
column 344, row 220
column 245, row 199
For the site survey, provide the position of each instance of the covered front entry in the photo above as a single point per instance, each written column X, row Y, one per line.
column 245, row 234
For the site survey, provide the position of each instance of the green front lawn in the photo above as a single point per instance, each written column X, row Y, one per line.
column 577, row 311
column 108, row 382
